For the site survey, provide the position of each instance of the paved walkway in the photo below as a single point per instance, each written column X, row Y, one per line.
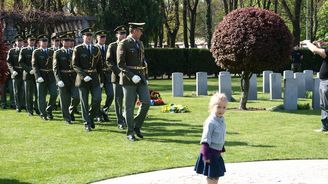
column 264, row 172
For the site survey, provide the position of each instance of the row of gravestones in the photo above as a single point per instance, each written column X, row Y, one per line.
column 295, row 86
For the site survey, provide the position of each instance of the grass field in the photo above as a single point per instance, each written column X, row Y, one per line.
column 36, row 151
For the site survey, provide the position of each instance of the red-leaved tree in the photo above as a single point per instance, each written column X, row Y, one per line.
column 250, row 40
column 3, row 63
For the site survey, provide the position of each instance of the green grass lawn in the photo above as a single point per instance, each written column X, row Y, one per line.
column 36, row 151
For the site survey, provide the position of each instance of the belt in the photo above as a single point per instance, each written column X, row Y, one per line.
column 136, row 67
column 67, row 71
column 106, row 69
column 90, row 71
column 46, row 70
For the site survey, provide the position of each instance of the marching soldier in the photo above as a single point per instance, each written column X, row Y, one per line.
column 130, row 59
column 106, row 73
column 25, row 61
column 55, row 41
column 112, row 63
column 86, row 62
column 42, row 59
column 17, row 73
column 65, row 78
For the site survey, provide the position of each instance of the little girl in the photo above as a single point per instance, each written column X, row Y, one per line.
column 210, row 162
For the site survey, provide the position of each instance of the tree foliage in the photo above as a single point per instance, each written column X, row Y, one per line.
column 251, row 39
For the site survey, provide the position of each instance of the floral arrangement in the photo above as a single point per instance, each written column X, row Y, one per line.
column 155, row 98
column 173, row 108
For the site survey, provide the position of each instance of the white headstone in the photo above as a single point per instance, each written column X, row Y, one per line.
column 288, row 74
column 266, row 81
column 275, row 86
column 290, row 94
column 315, row 94
column 201, row 83
column 308, row 74
column 300, row 80
column 225, row 84
column 252, row 93
column 177, row 84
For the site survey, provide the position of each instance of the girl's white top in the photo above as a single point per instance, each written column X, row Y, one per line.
column 214, row 132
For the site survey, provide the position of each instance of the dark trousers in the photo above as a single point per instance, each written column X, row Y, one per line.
column 118, row 99
column 108, row 86
column 19, row 93
column 43, row 88
column 323, row 92
column 130, row 93
column 69, row 100
column 30, row 91
column 95, row 102
column 8, row 87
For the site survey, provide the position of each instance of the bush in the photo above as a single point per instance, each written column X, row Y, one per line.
column 188, row 61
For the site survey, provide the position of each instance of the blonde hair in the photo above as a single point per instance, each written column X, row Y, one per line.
column 216, row 99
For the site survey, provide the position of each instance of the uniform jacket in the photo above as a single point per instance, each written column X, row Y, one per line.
column 111, row 60
column 25, row 61
column 62, row 66
column 13, row 65
column 106, row 72
column 42, row 64
column 87, row 64
column 129, row 55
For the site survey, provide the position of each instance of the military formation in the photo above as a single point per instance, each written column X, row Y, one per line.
column 40, row 73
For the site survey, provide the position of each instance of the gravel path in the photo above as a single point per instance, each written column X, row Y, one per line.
column 263, row 172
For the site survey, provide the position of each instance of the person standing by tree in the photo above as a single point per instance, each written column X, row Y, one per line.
column 297, row 57
column 323, row 88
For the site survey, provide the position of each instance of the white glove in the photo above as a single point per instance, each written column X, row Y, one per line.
column 32, row 72
column 60, row 84
column 101, row 85
column 147, row 82
column 87, row 78
column 40, row 80
column 136, row 79
column 14, row 74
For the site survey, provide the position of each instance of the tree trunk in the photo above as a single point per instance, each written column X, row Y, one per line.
column 315, row 20
column 171, row 32
column 185, row 23
column 192, row 23
column 160, row 36
column 276, row 6
column 209, row 22
column 295, row 19
column 60, row 6
column 2, row 4
column 226, row 8
column 244, row 84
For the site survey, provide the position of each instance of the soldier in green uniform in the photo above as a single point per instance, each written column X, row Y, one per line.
column 106, row 73
column 55, row 41
column 42, row 59
column 130, row 59
column 65, row 78
column 17, row 73
column 86, row 62
column 112, row 63
column 25, row 61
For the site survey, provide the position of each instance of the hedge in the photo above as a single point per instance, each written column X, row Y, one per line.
column 165, row 61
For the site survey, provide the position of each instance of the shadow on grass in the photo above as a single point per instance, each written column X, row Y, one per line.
column 300, row 112
column 12, row 181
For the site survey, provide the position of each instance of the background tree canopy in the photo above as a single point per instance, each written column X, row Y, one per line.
column 183, row 21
